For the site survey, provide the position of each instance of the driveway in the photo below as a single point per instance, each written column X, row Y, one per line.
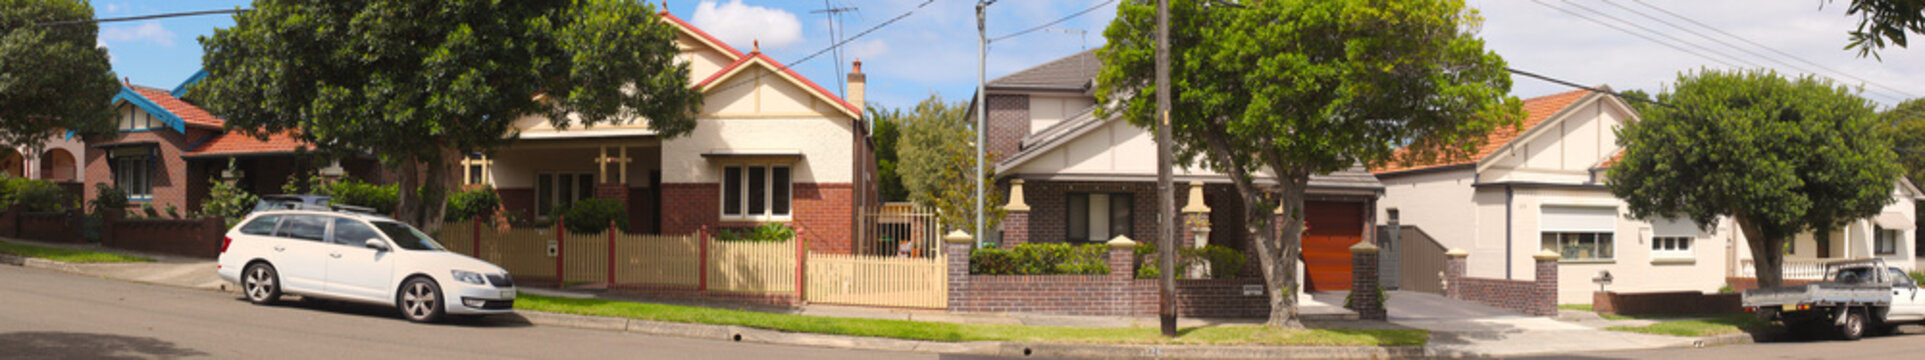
column 1460, row 328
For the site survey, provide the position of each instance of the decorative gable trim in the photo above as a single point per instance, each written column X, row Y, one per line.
column 1532, row 133
column 127, row 94
column 758, row 59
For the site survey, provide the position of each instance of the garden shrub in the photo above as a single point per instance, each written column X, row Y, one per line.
column 1041, row 259
column 477, row 203
column 109, row 198
column 1224, row 262
column 33, row 195
column 382, row 198
column 591, row 216
column 148, row 209
column 228, row 201
column 767, row 232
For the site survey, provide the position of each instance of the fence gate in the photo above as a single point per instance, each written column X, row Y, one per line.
column 898, row 230
column 917, row 282
column 1421, row 259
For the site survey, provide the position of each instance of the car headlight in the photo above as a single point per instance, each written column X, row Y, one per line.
column 469, row 277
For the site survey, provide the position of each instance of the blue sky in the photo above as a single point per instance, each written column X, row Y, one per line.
column 934, row 50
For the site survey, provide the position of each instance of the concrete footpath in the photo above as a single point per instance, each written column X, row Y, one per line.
column 1458, row 329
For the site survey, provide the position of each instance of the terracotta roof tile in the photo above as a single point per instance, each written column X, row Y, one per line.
column 236, row 143
column 187, row 112
column 1536, row 110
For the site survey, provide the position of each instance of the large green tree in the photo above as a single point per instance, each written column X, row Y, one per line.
column 1289, row 89
column 53, row 77
column 937, row 160
column 887, row 134
column 1906, row 126
column 420, row 83
column 1779, row 156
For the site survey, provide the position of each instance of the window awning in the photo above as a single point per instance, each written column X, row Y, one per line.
column 753, row 154
column 1893, row 220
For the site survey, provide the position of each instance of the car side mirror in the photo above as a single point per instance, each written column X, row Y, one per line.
column 377, row 245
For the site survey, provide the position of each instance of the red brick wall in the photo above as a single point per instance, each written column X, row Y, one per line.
column 824, row 214
column 518, row 202
column 1116, row 293
column 1665, row 303
column 1048, row 204
column 54, row 227
column 641, row 213
column 195, row 237
column 171, row 173
column 687, row 207
column 1537, row 297
column 1008, row 124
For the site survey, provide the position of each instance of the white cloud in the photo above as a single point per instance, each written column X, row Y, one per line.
column 739, row 24
column 110, row 8
column 148, row 31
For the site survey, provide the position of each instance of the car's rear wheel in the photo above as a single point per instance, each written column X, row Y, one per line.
column 420, row 300
column 261, row 284
column 1854, row 326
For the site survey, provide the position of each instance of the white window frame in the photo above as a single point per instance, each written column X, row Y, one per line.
column 1673, row 239
column 137, row 163
column 1567, row 233
column 768, row 191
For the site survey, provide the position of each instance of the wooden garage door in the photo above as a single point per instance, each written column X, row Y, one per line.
column 1334, row 227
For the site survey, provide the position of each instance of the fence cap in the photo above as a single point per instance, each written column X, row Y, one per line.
column 1122, row 242
column 958, row 237
column 1457, row 253
column 1545, row 255
column 1363, row 247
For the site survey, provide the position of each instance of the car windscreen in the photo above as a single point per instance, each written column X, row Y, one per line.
column 407, row 237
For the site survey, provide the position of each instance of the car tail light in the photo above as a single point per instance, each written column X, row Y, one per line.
column 228, row 240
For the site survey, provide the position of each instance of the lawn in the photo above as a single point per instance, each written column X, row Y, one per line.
column 66, row 255
column 1695, row 325
column 937, row 331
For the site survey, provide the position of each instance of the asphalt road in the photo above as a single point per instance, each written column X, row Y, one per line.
column 50, row 315
column 1908, row 345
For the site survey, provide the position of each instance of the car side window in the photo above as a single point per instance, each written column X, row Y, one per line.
column 262, row 226
column 1900, row 279
column 352, row 233
column 303, row 227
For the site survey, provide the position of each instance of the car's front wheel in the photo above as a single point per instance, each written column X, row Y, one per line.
column 420, row 300
column 261, row 284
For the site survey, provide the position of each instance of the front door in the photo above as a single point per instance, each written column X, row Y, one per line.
column 1334, row 227
column 354, row 270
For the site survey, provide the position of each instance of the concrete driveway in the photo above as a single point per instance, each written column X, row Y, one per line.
column 1461, row 328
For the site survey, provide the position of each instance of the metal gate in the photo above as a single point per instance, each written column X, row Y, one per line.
column 1421, row 259
column 898, row 230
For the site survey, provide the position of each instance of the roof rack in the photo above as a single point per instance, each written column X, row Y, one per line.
column 352, row 208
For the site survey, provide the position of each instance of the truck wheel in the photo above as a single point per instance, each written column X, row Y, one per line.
column 1854, row 326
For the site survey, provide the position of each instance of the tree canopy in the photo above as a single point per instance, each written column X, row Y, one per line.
column 52, row 77
column 421, row 83
column 887, row 134
column 1884, row 22
column 1778, row 155
column 1292, row 89
column 1906, row 126
column 937, row 160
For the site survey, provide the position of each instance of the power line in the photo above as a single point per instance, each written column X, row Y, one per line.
column 145, row 17
column 838, row 44
column 1581, row 86
column 1658, row 33
column 1771, row 49
column 1058, row 21
column 1633, row 33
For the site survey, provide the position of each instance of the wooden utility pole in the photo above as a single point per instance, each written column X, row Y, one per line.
column 1165, row 198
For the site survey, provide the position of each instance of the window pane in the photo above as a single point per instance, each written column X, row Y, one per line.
column 732, row 191
column 262, row 225
column 303, row 228
column 585, row 188
column 1605, row 247
column 758, row 190
column 565, row 189
column 351, row 233
column 1120, row 206
column 780, row 182
column 1078, row 216
column 1683, row 243
column 544, row 194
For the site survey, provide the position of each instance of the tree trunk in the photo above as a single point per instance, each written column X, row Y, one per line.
column 423, row 190
column 408, row 203
column 1276, row 259
column 1290, row 240
column 1767, row 253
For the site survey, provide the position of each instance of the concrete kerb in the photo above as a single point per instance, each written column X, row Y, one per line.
column 993, row 348
column 38, row 263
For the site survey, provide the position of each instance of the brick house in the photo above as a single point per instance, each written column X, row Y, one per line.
column 166, row 151
column 771, row 146
column 57, row 159
column 1081, row 178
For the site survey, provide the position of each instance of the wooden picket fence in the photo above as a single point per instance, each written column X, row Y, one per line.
column 759, row 267
column 878, row 281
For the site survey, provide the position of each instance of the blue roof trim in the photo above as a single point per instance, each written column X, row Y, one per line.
column 130, row 96
column 181, row 91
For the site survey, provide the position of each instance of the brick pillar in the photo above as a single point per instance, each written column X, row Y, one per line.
column 1016, row 223
column 1544, row 302
column 955, row 249
column 1455, row 263
column 1122, row 262
column 1363, row 282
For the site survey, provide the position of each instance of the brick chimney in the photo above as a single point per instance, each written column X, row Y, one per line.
column 857, row 83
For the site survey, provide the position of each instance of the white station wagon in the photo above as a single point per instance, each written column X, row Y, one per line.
column 359, row 258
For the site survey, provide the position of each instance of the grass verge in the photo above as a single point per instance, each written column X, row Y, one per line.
column 1697, row 325
column 67, row 255
column 937, row 331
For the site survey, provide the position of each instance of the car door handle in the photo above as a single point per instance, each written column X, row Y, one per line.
column 278, row 248
column 335, row 255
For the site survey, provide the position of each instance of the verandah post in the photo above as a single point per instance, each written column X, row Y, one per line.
column 561, row 251
column 611, row 252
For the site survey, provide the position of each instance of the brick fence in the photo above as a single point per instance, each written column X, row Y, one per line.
column 1538, row 297
column 1664, row 303
column 187, row 237
column 1113, row 294
column 1740, row 284
column 52, row 227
